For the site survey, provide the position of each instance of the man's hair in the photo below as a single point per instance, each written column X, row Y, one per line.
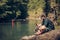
column 43, row 15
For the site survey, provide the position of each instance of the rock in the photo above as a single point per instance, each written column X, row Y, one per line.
column 52, row 35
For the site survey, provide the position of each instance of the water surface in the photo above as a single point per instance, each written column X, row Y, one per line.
column 17, row 30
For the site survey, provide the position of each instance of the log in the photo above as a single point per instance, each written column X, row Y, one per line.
column 52, row 35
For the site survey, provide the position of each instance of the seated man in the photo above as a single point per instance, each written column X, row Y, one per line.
column 42, row 18
column 47, row 24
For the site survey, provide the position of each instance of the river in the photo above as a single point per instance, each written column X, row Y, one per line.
column 18, row 29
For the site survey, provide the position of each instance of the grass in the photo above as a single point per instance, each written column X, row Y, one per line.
column 57, row 27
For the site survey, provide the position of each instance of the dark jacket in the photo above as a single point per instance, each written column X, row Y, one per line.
column 49, row 24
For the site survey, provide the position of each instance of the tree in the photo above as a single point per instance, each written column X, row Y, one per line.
column 47, row 7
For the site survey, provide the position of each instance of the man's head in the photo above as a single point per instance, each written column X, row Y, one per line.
column 43, row 16
column 51, row 16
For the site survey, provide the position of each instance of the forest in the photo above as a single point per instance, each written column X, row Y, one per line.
column 19, row 18
column 18, row 9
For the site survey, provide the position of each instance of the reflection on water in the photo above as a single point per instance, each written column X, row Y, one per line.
column 20, row 28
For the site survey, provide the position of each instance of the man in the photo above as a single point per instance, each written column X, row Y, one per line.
column 42, row 18
column 47, row 24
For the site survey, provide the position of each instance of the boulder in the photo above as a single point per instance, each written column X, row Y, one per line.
column 51, row 35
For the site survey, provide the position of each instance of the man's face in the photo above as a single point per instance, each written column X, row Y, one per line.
column 51, row 18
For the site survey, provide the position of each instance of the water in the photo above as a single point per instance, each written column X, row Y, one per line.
column 18, row 30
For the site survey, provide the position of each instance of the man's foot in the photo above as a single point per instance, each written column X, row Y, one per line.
column 31, row 36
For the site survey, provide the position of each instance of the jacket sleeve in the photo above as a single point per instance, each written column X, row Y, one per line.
column 46, row 24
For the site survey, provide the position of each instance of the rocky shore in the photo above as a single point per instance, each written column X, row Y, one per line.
column 52, row 35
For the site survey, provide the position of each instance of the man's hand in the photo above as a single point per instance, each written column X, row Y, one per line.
column 42, row 27
column 38, row 32
column 38, row 25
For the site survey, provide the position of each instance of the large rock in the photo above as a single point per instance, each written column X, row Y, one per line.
column 52, row 35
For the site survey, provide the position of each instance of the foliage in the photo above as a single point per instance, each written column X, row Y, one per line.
column 36, row 4
column 12, row 9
